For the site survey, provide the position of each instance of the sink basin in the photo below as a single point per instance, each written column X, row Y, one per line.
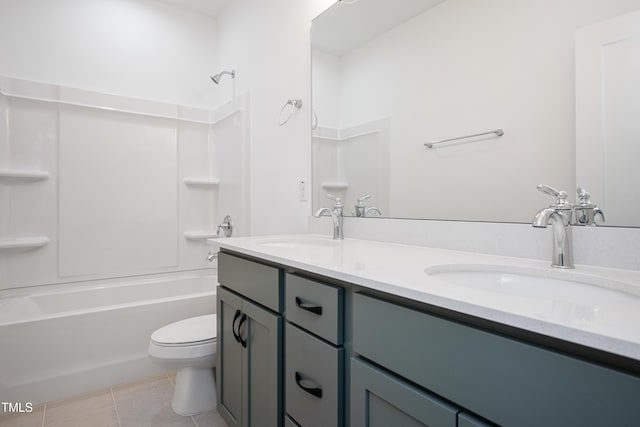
column 568, row 297
column 299, row 242
column 524, row 280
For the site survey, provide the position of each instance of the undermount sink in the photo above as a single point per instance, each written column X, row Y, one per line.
column 524, row 280
column 566, row 296
column 299, row 242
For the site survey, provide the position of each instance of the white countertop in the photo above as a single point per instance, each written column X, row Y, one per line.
column 575, row 313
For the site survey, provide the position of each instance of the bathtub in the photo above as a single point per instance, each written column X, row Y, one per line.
column 57, row 343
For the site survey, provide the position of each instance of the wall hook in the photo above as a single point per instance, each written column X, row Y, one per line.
column 295, row 104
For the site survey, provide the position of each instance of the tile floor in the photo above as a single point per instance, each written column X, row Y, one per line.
column 145, row 403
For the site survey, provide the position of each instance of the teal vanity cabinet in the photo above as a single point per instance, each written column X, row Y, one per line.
column 249, row 356
column 297, row 349
column 414, row 365
column 314, row 365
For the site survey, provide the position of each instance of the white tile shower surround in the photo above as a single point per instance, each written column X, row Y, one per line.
column 75, row 207
column 138, row 404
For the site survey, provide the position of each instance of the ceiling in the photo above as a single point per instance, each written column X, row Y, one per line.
column 347, row 25
column 208, row 7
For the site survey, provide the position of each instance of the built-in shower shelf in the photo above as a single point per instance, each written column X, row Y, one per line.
column 9, row 176
column 193, row 181
column 334, row 186
column 200, row 235
column 23, row 243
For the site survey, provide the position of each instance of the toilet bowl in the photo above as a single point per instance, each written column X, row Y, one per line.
column 189, row 348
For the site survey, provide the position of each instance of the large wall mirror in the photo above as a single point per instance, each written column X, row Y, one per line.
column 560, row 78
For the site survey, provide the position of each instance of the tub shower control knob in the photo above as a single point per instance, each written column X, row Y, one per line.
column 226, row 227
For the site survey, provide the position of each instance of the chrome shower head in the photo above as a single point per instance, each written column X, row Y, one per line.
column 216, row 78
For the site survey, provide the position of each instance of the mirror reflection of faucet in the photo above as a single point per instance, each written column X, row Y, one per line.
column 562, row 215
column 585, row 212
column 362, row 211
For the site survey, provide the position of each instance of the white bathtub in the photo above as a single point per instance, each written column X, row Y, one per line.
column 58, row 343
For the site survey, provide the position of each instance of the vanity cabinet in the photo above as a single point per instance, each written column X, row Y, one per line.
column 249, row 356
column 501, row 379
column 297, row 349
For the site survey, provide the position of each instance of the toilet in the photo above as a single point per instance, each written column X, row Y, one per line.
column 189, row 348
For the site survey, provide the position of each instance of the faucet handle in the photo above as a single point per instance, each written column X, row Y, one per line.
column 561, row 196
column 584, row 198
column 336, row 199
column 362, row 199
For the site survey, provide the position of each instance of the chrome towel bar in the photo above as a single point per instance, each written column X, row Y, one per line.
column 497, row 132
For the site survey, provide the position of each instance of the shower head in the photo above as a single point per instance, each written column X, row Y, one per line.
column 216, row 78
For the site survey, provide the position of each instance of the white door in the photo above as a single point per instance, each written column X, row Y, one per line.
column 608, row 116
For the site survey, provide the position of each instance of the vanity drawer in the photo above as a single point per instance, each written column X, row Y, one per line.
column 316, row 307
column 504, row 380
column 314, row 380
column 258, row 282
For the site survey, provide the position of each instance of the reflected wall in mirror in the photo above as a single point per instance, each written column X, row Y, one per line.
column 389, row 77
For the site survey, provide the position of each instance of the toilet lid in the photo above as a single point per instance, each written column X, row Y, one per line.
column 194, row 329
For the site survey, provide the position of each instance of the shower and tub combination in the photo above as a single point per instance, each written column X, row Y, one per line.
column 97, row 254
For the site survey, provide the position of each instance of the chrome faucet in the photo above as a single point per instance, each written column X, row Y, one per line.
column 559, row 216
column 371, row 209
column 336, row 214
column 585, row 212
column 361, row 210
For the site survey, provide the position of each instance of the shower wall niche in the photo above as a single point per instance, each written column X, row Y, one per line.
column 98, row 186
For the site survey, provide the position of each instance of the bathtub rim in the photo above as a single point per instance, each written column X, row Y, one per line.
column 113, row 283
column 51, row 288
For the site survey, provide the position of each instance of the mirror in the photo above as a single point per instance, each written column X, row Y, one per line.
column 388, row 77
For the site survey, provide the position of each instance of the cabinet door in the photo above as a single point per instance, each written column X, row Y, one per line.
column 262, row 359
column 379, row 399
column 229, row 358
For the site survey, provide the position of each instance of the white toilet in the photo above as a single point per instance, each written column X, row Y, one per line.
column 189, row 347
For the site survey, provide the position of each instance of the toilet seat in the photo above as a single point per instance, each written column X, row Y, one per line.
column 188, row 332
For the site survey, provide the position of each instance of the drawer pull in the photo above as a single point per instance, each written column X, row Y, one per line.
column 308, row 386
column 233, row 326
column 315, row 309
column 241, row 341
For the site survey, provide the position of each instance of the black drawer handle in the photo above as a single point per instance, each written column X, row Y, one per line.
column 233, row 326
column 315, row 309
column 308, row 386
column 242, row 319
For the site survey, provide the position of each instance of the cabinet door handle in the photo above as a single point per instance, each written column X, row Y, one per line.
column 240, row 340
column 236, row 335
column 308, row 386
column 315, row 309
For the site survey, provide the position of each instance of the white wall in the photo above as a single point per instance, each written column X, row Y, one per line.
column 136, row 48
column 267, row 43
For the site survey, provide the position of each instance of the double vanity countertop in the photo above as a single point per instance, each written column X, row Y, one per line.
column 592, row 306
